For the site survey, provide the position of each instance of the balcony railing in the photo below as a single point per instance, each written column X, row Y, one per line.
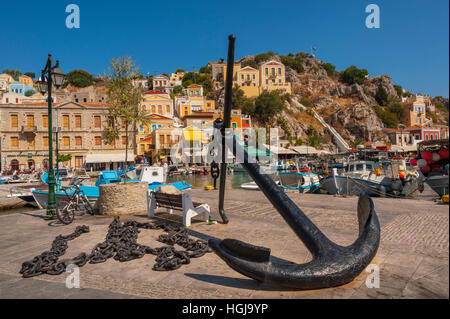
column 29, row 129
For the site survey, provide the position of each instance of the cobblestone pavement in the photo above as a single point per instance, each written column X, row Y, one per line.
column 413, row 257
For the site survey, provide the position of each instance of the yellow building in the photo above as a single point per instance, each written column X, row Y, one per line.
column 26, row 80
column 415, row 111
column 194, row 101
column 273, row 77
column 5, row 81
column 247, row 79
column 144, row 136
column 156, row 102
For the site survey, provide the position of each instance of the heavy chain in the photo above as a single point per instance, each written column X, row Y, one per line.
column 121, row 244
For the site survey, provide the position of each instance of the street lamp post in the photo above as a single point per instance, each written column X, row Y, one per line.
column 50, row 75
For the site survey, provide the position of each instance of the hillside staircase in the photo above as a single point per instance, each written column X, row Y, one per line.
column 338, row 139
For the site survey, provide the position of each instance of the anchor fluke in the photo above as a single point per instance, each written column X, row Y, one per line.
column 334, row 266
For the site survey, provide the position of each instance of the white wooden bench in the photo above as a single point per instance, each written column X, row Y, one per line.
column 181, row 202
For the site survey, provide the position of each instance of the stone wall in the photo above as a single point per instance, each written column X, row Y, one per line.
column 123, row 198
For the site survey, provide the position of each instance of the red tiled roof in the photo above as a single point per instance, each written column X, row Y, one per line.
column 154, row 92
column 194, row 85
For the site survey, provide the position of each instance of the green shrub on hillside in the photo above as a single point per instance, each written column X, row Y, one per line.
column 79, row 78
column 330, row 68
column 353, row 75
column 381, row 96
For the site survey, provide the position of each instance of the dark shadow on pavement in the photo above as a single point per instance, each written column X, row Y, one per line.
column 239, row 283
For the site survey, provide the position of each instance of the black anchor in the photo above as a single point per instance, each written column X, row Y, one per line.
column 332, row 265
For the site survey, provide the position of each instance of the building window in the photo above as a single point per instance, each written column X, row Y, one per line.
column 273, row 71
column 14, row 121
column 161, row 140
column 66, row 141
column 279, row 71
column 254, row 77
column 45, row 121
column 124, row 140
column 160, row 109
column 97, row 122
column 77, row 121
column 45, row 141
column 65, row 121
column 234, row 125
column 98, row 140
column 123, row 121
column 153, row 109
column 168, row 109
column 30, row 121
column 267, row 71
column 14, row 142
column 78, row 141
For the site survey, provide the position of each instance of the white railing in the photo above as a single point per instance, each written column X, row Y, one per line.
column 341, row 143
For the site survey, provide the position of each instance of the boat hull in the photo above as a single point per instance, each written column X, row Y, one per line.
column 439, row 184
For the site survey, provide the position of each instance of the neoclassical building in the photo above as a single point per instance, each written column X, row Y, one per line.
column 24, row 136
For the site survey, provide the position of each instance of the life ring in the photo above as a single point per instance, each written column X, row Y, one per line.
column 304, row 170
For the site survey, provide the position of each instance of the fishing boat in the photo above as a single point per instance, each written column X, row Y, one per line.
column 154, row 176
column 41, row 196
column 302, row 180
column 434, row 169
column 365, row 177
column 439, row 183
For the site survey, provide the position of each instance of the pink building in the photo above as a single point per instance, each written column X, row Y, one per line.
column 424, row 133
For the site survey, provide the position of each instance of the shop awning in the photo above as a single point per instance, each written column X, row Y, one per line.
column 109, row 157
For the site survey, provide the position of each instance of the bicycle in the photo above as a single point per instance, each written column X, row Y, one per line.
column 77, row 202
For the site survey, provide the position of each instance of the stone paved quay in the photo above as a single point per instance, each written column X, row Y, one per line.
column 413, row 257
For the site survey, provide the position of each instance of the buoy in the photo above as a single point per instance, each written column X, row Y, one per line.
column 402, row 175
column 413, row 162
column 422, row 163
column 435, row 157
column 427, row 156
column 209, row 187
column 445, row 198
column 425, row 169
column 443, row 153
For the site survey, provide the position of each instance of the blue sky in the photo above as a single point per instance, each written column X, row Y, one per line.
column 412, row 44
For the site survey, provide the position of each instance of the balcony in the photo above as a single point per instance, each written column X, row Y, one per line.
column 28, row 129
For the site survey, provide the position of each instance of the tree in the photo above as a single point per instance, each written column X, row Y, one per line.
column 330, row 68
column 30, row 74
column 398, row 89
column 125, row 101
column 179, row 70
column 240, row 101
column 178, row 90
column 205, row 69
column 262, row 57
column 64, row 158
column 79, row 78
column 353, row 75
column 250, row 62
column 395, row 107
column 29, row 93
column 294, row 63
column 381, row 96
column 14, row 73
column 267, row 105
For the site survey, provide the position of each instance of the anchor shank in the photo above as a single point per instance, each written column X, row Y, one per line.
column 316, row 242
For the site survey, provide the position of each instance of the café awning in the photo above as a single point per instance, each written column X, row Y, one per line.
column 109, row 158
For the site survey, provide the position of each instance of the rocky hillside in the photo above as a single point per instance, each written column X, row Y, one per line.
column 359, row 112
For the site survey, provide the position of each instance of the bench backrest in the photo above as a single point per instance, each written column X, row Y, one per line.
column 169, row 200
